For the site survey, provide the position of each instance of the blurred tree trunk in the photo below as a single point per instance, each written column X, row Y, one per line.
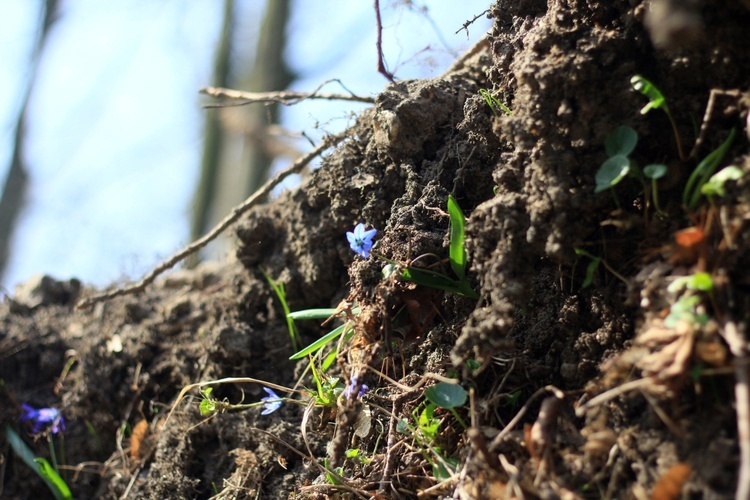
column 238, row 150
column 213, row 137
column 14, row 189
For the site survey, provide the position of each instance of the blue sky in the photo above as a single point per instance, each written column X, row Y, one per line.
column 115, row 122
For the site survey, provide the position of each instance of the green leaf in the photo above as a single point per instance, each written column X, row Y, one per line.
column 320, row 343
column 704, row 170
column 656, row 99
column 591, row 268
column 403, row 427
column 312, row 314
column 39, row 465
column 51, row 476
column 444, row 471
column 446, row 395
column 428, row 424
column 621, row 141
column 655, row 171
column 715, row 185
column 457, row 251
column 328, row 361
column 611, row 172
column 702, row 282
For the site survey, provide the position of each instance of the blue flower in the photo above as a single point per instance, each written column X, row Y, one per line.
column 42, row 418
column 363, row 388
column 272, row 402
column 360, row 240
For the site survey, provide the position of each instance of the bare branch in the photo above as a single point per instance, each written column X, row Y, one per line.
column 285, row 97
column 379, row 44
column 738, row 346
column 236, row 213
column 466, row 25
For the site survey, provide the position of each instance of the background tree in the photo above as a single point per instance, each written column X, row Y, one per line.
column 239, row 146
column 12, row 198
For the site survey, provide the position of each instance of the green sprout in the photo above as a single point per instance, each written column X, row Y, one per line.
column 425, row 434
column 619, row 144
column 449, row 397
column 715, row 185
column 42, row 467
column 358, row 456
column 593, row 265
column 688, row 307
column 457, row 257
column 654, row 172
column 278, row 288
column 705, row 169
column 656, row 100
column 494, row 103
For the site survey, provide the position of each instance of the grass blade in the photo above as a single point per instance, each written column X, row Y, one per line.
column 457, row 251
column 320, row 343
column 39, row 465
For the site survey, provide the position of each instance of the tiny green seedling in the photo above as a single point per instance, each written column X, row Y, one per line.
column 449, row 397
column 457, row 256
column 654, row 172
column 358, row 456
column 278, row 288
column 688, row 307
column 618, row 145
column 656, row 100
column 494, row 103
column 705, row 169
column 714, row 187
column 593, row 265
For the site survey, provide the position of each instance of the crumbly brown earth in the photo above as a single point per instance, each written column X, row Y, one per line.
column 526, row 183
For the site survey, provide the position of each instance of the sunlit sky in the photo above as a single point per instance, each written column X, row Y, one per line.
column 114, row 136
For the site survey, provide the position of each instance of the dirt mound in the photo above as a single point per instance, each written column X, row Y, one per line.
column 590, row 373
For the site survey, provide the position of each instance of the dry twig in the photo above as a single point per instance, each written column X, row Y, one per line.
column 738, row 346
column 285, row 97
column 230, row 219
column 379, row 44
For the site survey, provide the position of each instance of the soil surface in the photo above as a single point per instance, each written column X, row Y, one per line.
column 616, row 380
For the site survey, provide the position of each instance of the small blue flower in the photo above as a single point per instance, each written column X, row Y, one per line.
column 42, row 418
column 363, row 388
column 272, row 402
column 360, row 240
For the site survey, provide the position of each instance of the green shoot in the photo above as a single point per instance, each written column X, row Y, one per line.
column 457, row 257
column 278, row 288
column 494, row 103
column 358, row 456
column 457, row 252
column 700, row 282
column 312, row 314
column 655, row 172
column 425, row 434
column 656, row 100
column 321, row 342
column 591, row 268
column 333, row 476
column 44, row 470
column 715, row 185
column 705, row 169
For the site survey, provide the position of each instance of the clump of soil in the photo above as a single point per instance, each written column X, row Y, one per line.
column 535, row 351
